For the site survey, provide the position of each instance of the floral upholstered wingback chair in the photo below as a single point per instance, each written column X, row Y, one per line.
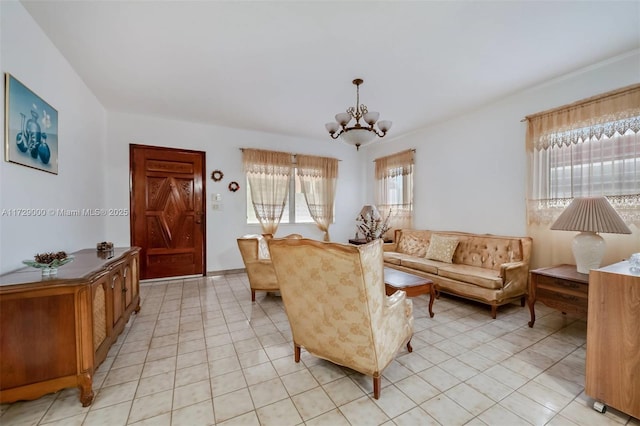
column 335, row 300
column 257, row 261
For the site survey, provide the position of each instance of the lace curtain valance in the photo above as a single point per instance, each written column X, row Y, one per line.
column 395, row 164
column 608, row 114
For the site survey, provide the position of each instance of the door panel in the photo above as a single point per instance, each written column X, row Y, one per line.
column 168, row 211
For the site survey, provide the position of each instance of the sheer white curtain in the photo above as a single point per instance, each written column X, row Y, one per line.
column 268, row 173
column 394, row 189
column 318, row 178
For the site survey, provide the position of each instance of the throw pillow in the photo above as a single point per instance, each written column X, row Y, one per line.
column 412, row 245
column 442, row 248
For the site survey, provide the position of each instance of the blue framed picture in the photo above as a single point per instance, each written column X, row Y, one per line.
column 31, row 128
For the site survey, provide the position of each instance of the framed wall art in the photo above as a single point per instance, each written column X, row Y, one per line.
column 31, row 128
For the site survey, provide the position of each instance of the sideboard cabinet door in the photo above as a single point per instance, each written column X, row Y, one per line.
column 101, row 310
column 613, row 338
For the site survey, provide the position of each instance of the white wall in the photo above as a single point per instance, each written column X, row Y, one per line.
column 29, row 55
column 471, row 171
column 222, row 147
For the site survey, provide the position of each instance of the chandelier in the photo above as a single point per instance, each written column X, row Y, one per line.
column 358, row 134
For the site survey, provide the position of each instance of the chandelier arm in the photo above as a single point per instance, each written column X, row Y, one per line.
column 363, row 110
column 336, row 135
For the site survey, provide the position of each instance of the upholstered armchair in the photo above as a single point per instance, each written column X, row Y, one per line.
column 335, row 300
column 255, row 255
column 257, row 261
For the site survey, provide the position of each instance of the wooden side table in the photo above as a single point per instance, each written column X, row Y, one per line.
column 359, row 241
column 560, row 287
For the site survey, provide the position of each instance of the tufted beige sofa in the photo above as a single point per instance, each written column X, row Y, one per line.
column 487, row 268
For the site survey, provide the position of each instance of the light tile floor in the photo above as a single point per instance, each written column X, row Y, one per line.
column 200, row 353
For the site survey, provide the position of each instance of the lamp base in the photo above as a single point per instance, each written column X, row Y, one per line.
column 588, row 251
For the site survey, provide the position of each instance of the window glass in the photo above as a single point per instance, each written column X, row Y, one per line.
column 607, row 166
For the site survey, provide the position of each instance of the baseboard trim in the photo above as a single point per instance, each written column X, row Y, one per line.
column 187, row 277
column 226, row 272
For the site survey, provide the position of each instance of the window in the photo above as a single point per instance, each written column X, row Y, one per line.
column 394, row 188
column 295, row 209
column 589, row 148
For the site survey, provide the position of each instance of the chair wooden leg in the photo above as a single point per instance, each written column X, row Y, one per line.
column 409, row 347
column 376, row 387
column 296, row 352
column 494, row 311
column 522, row 301
column 253, row 295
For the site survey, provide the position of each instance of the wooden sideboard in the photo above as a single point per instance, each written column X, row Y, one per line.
column 55, row 331
column 613, row 338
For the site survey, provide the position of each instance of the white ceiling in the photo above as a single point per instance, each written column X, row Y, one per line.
column 287, row 67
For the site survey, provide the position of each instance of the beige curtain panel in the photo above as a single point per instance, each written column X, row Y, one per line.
column 318, row 177
column 394, row 189
column 268, row 173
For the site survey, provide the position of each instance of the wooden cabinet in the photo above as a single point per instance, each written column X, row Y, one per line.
column 55, row 331
column 613, row 338
column 560, row 287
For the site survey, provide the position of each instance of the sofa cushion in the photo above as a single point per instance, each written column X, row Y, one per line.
column 483, row 277
column 488, row 251
column 393, row 257
column 412, row 245
column 442, row 248
column 422, row 264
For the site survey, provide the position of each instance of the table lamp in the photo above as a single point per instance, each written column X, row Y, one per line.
column 369, row 212
column 590, row 215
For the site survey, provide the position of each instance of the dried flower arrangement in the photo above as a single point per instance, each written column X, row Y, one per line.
column 48, row 258
column 373, row 227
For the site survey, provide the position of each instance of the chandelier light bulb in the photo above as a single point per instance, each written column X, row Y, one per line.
column 384, row 125
column 371, row 117
column 332, row 127
column 343, row 118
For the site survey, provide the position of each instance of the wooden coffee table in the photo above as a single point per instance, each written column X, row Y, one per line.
column 414, row 285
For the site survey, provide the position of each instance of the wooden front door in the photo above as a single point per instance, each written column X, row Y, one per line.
column 167, row 205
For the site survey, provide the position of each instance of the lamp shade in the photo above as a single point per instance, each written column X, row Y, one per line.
column 369, row 211
column 590, row 216
column 593, row 214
